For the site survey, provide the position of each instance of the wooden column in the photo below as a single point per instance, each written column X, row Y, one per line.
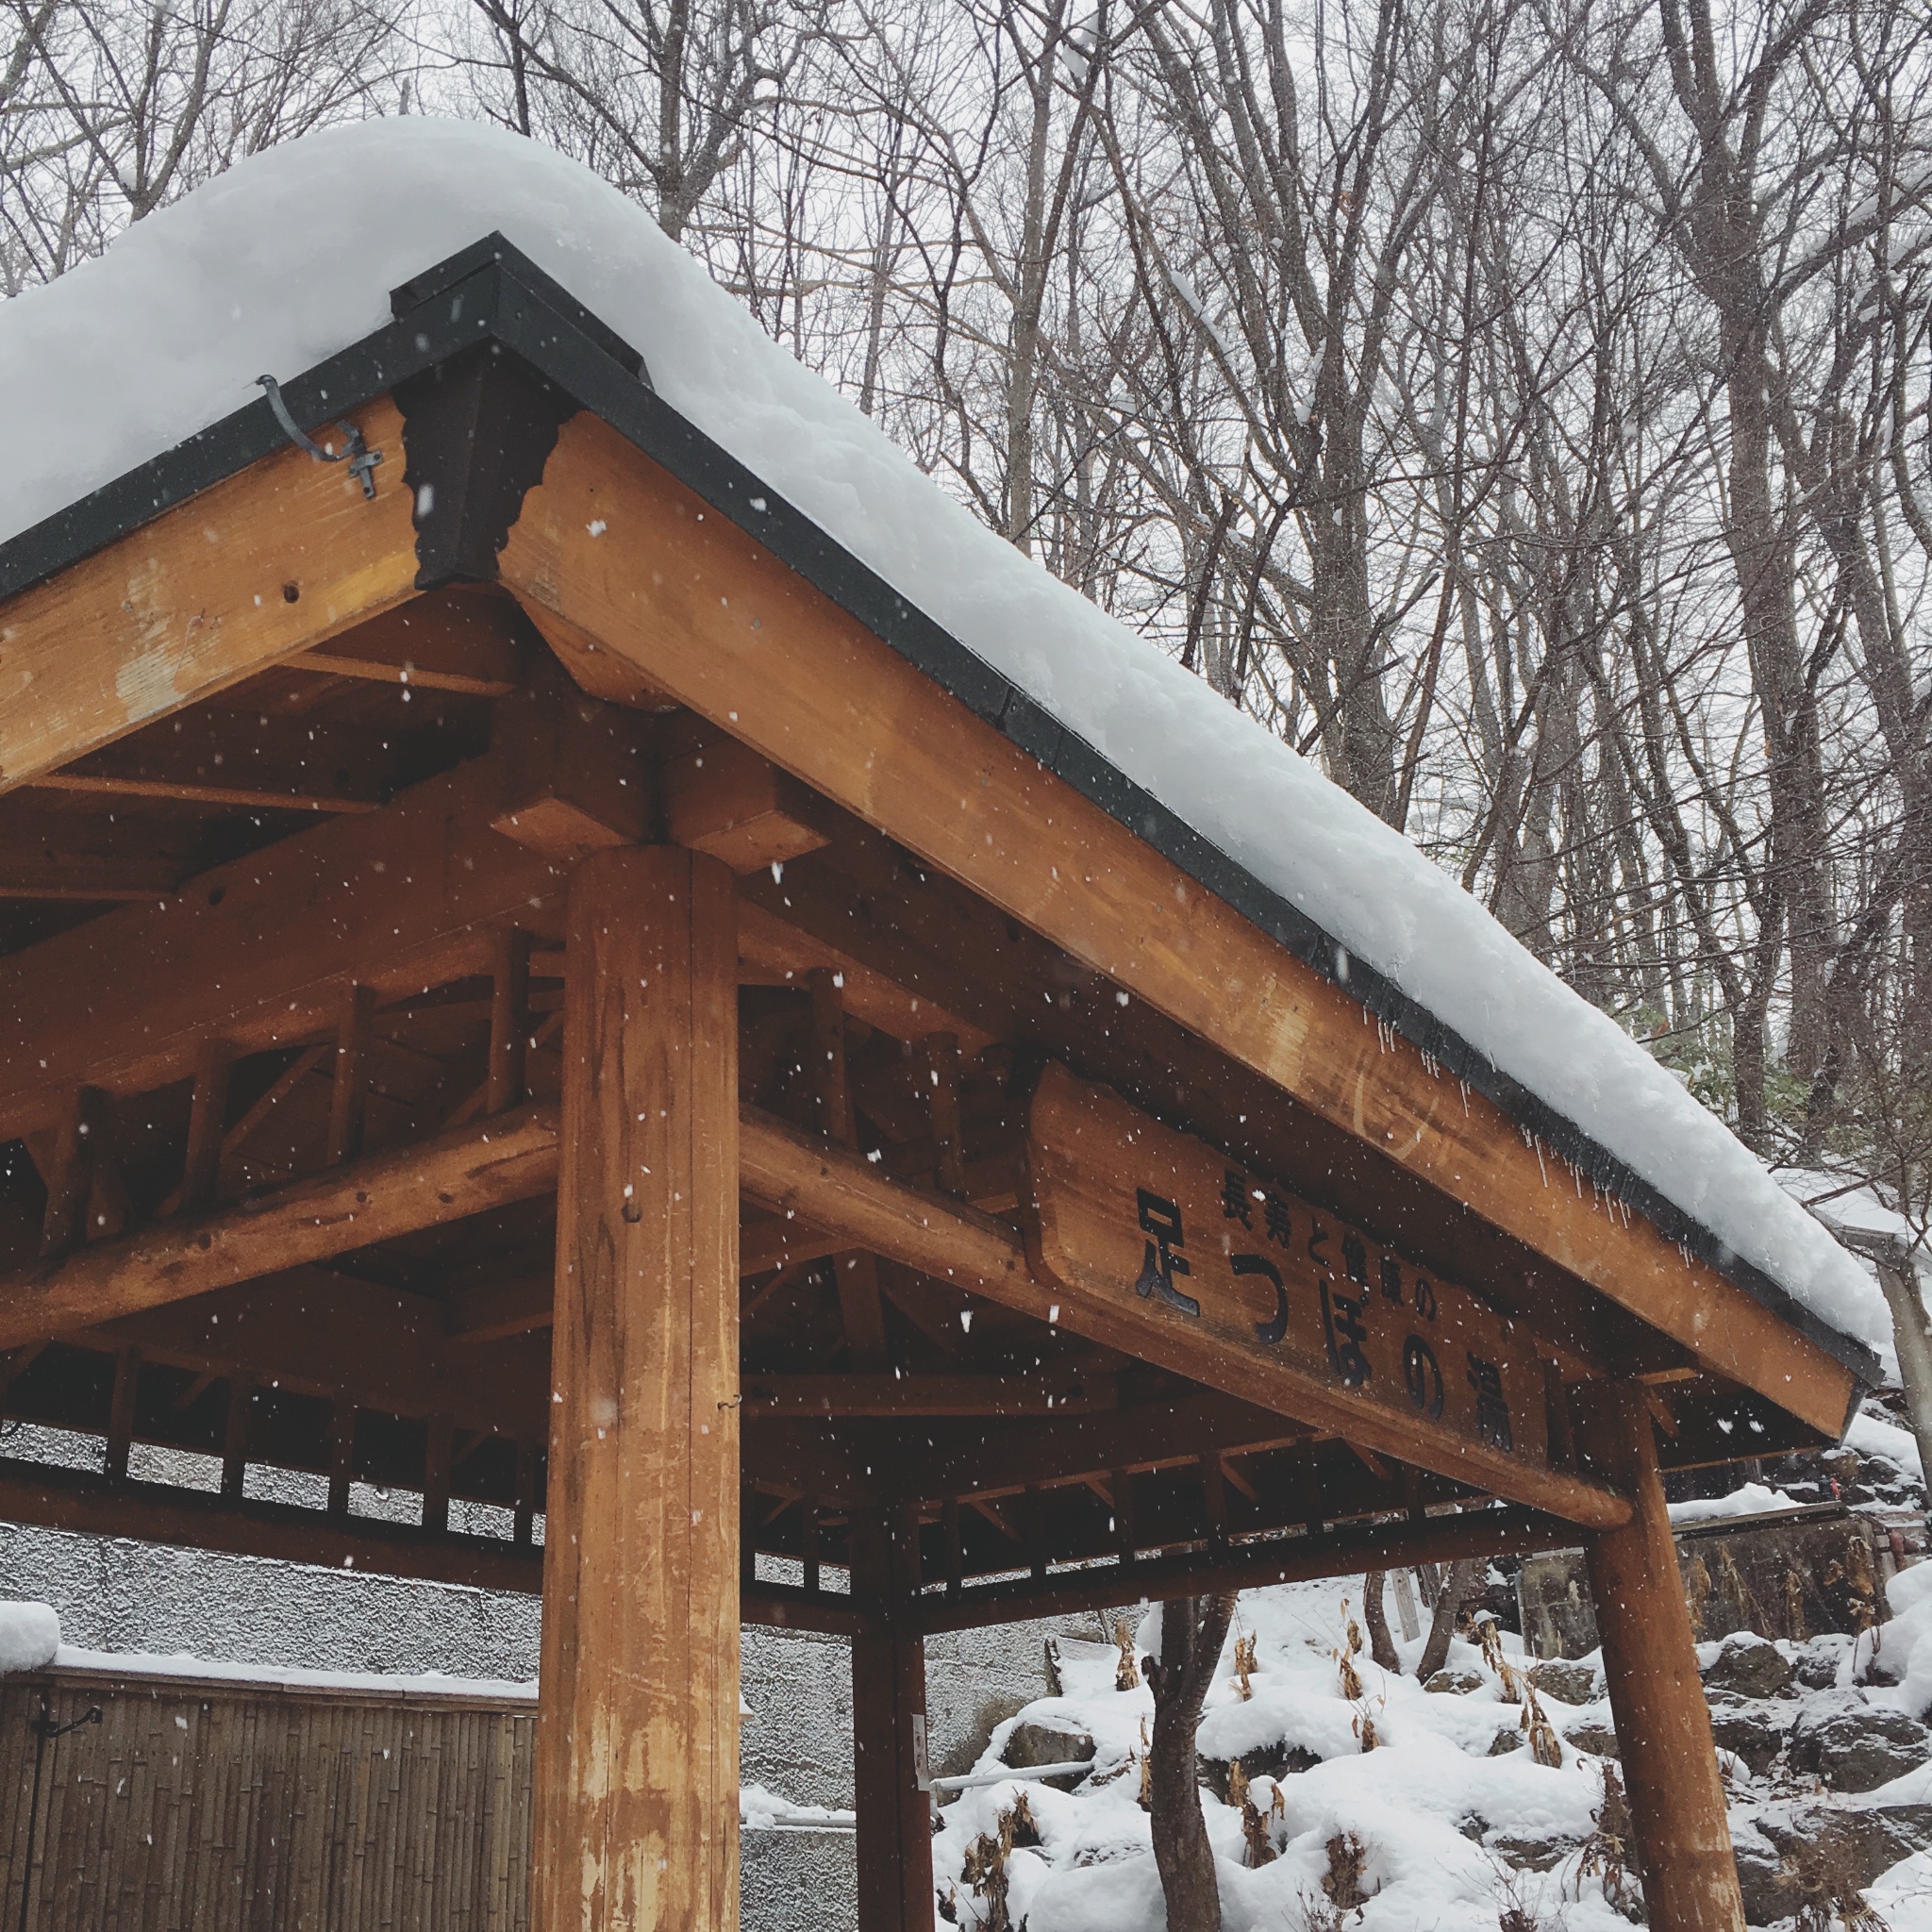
column 888, row 1738
column 1650, row 1662
column 636, row 1820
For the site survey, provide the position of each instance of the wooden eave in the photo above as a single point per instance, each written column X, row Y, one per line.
column 958, row 862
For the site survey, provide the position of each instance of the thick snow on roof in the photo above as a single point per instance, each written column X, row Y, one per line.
column 290, row 257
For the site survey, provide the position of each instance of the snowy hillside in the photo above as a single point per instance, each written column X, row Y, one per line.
column 1435, row 1812
column 1451, row 1823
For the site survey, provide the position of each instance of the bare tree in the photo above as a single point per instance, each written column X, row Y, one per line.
column 1192, row 1633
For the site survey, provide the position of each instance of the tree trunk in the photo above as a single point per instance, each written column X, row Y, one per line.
column 1458, row 1588
column 1911, row 1330
column 1193, row 1631
column 1381, row 1644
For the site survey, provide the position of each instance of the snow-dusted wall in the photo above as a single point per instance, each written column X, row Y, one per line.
column 116, row 1596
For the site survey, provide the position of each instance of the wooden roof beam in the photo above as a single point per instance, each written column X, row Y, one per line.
column 1042, row 1393
column 402, row 900
column 514, row 1157
column 247, row 574
column 862, row 724
column 320, row 1333
column 398, row 900
column 510, row 1157
column 469, row 641
column 1339, row 1552
column 192, row 1519
column 840, row 1189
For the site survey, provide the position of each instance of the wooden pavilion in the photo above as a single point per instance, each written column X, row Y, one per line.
column 657, row 1048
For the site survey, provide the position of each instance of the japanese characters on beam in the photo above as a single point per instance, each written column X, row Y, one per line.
column 1231, row 1279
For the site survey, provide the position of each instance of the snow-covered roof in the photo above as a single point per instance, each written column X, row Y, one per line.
column 289, row 259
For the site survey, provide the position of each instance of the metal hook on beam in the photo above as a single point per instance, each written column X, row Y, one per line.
column 360, row 458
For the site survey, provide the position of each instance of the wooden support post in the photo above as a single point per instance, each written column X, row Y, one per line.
column 525, row 1528
column 69, row 1169
column 439, row 1457
column 860, row 1307
column 956, row 1549
column 1214, row 1497
column 636, row 1777
column 887, row 1734
column 349, row 1092
column 1125, row 1538
column 808, row 1544
column 509, row 1020
column 120, row 1413
column 942, row 1072
column 342, row 1474
column 1033, row 1527
column 206, row 1122
column 828, row 1050
column 1560, row 1424
column 1650, row 1662
column 235, row 1439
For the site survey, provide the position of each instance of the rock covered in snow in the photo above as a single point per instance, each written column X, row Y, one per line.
column 1047, row 1741
column 1853, row 1744
column 1595, row 1736
column 29, row 1637
column 1277, row 1761
column 1752, row 1666
column 1748, row 1730
column 1821, row 1661
column 1329, row 1757
column 1532, row 1851
column 1785, row 1846
column 1566, row 1681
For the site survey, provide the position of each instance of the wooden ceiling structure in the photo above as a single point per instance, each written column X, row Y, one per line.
column 549, row 990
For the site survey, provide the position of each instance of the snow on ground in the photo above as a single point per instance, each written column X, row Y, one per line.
column 1422, row 1801
column 1871, row 1435
column 1450, row 1830
column 290, row 257
column 1905, row 1640
column 1903, row 1898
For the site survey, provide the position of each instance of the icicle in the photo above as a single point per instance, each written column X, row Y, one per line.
column 1540, row 1167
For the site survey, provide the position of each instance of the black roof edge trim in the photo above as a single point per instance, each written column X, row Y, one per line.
column 495, row 250
column 528, row 312
column 345, row 381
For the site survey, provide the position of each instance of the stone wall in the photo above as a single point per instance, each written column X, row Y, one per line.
column 1796, row 1575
